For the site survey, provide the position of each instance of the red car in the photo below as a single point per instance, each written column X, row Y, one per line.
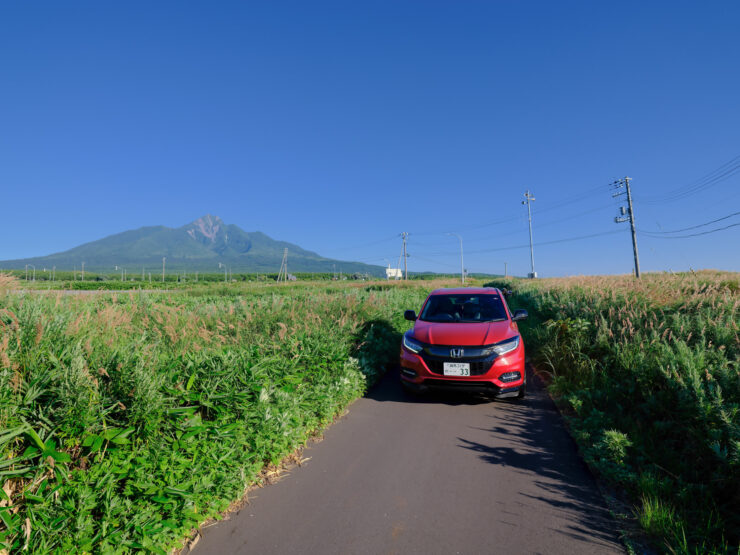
column 464, row 339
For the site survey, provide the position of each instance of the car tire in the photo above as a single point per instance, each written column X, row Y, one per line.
column 522, row 390
column 408, row 390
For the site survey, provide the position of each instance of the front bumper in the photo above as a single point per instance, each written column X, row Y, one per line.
column 417, row 375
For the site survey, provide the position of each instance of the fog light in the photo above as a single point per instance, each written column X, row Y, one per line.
column 408, row 372
column 510, row 376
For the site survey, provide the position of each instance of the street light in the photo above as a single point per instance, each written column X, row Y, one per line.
column 462, row 267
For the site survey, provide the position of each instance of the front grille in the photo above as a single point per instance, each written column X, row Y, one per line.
column 435, row 362
column 482, row 386
column 477, row 368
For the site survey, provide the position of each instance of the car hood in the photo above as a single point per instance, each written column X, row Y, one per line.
column 479, row 333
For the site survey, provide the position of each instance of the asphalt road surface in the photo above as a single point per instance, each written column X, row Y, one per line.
column 435, row 474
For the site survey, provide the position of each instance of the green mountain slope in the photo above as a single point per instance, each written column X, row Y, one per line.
column 198, row 246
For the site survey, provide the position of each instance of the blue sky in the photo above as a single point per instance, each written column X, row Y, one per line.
column 338, row 125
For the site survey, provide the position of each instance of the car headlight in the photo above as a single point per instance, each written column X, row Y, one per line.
column 506, row 346
column 412, row 344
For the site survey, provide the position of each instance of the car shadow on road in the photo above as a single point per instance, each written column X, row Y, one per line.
column 389, row 389
column 528, row 436
column 531, row 438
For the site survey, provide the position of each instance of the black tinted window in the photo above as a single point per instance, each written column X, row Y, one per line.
column 463, row 308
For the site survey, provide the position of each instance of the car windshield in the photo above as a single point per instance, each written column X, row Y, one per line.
column 464, row 308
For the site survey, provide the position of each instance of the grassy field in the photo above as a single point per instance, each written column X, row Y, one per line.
column 647, row 371
column 128, row 419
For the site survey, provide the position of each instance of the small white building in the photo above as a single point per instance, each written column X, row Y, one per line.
column 393, row 273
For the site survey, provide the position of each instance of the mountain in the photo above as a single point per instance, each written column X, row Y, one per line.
column 197, row 246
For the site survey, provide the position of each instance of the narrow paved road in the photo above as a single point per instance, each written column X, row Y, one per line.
column 430, row 475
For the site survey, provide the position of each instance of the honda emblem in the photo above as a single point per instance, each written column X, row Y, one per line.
column 457, row 353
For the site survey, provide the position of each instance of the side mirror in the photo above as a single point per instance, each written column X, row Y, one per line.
column 520, row 314
column 410, row 315
column 508, row 292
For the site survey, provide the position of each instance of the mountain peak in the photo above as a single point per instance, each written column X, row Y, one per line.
column 206, row 228
column 197, row 246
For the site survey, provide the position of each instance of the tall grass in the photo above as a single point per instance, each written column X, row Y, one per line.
column 128, row 419
column 648, row 372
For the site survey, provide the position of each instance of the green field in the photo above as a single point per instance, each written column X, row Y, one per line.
column 129, row 418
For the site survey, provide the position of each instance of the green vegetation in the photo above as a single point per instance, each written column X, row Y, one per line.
column 647, row 372
column 115, row 280
column 127, row 419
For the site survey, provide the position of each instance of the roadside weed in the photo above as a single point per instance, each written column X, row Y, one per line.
column 648, row 374
column 127, row 419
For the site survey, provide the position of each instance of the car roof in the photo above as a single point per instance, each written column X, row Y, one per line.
column 467, row 291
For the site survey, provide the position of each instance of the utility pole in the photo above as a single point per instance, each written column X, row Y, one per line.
column 163, row 259
column 629, row 216
column 53, row 273
column 529, row 200
column 462, row 267
column 506, row 269
column 283, row 273
column 83, row 271
column 405, row 257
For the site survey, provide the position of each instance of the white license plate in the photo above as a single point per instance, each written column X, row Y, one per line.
column 456, row 369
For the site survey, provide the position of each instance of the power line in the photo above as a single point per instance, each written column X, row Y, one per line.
column 692, row 227
column 648, row 234
column 567, row 201
column 566, row 240
column 526, row 246
column 722, row 173
column 535, row 227
column 538, row 226
column 432, row 261
column 467, row 228
column 370, row 244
